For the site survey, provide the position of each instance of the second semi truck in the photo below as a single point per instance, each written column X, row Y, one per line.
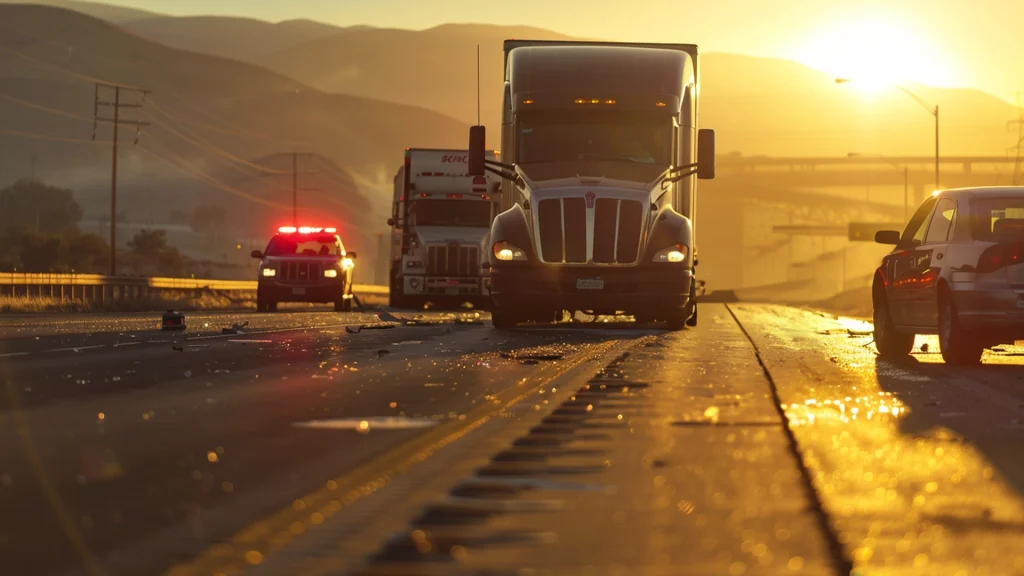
column 601, row 150
column 439, row 224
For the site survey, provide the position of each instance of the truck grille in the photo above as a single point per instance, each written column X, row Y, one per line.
column 301, row 272
column 453, row 260
column 563, row 230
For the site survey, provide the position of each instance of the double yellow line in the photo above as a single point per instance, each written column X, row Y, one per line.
column 253, row 544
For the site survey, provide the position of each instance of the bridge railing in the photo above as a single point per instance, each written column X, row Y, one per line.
column 109, row 289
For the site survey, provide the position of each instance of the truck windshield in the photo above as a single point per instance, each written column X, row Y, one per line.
column 473, row 213
column 303, row 245
column 624, row 137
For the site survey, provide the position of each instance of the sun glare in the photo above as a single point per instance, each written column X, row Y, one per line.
column 875, row 54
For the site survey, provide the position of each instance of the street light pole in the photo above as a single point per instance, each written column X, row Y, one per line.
column 933, row 110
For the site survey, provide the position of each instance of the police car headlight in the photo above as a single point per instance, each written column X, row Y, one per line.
column 347, row 263
column 673, row 254
column 330, row 273
column 269, row 272
column 507, row 252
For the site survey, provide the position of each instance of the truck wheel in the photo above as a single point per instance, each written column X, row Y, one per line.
column 957, row 345
column 692, row 320
column 262, row 303
column 888, row 341
column 343, row 305
column 503, row 319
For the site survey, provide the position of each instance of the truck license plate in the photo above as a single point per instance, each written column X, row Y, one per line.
column 589, row 284
column 298, row 291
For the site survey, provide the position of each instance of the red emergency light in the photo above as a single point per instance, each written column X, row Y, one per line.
column 306, row 230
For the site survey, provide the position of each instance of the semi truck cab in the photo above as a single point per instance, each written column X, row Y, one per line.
column 601, row 151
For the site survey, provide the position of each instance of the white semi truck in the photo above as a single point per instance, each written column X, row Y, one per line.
column 439, row 222
column 601, row 151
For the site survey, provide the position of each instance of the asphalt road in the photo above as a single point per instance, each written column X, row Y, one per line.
column 767, row 440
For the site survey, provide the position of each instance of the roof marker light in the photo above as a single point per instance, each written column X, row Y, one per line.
column 287, row 229
column 331, row 230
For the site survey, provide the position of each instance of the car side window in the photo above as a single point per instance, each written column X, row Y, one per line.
column 941, row 223
column 918, row 225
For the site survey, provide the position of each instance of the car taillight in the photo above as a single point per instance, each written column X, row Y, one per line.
column 1000, row 256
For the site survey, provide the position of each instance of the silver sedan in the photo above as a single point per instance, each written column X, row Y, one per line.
column 957, row 270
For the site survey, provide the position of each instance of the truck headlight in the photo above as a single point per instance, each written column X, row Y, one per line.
column 675, row 253
column 507, row 252
column 269, row 272
column 347, row 263
column 330, row 273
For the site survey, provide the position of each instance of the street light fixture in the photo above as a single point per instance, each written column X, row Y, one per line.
column 933, row 110
column 906, row 178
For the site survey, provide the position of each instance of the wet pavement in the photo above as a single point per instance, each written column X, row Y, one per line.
column 768, row 440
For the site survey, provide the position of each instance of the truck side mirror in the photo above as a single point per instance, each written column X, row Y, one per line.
column 477, row 150
column 256, row 254
column 391, row 221
column 706, row 154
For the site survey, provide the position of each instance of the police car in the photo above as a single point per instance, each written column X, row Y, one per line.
column 304, row 264
column 957, row 270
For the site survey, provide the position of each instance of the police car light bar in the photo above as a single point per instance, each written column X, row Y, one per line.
column 306, row 230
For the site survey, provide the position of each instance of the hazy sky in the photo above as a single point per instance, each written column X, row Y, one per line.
column 941, row 42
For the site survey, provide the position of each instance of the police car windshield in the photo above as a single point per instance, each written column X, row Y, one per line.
column 303, row 245
column 471, row 213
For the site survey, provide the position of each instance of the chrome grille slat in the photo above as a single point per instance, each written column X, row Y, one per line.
column 453, row 260
column 608, row 233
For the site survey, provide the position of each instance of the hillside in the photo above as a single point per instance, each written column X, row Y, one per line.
column 228, row 37
column 210, row 116
column 108, row 12
column 759, row 105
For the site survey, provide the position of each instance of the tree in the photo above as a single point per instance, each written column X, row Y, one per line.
column 148, row 243
column 39, row 208
column 88, row 253
column 151, row 247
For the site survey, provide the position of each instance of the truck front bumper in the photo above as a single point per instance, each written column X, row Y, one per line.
column 648, row 289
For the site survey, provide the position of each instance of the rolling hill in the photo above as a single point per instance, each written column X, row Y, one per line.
column 210, row 117
column 237, row 38
column 108, row 12
column 759, row 105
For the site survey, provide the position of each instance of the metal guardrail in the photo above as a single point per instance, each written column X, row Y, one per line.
column 10, row 281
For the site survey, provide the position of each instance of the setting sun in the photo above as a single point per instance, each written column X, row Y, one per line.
column 876, row 53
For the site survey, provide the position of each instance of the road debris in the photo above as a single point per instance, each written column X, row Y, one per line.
column 235, row 328
column 173, row 321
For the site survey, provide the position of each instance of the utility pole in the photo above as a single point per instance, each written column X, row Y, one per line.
column 117, row 105
column 295, row 180
column 1018, row 150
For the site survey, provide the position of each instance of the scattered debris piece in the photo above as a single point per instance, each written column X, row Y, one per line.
column 173, row 321
column 177, row 348
column 350, row 330
column 537, row 357
column 235, row 328
column 383, row 352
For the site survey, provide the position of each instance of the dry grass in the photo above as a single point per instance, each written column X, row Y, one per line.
column 43, row 304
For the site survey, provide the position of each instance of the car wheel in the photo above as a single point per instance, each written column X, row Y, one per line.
column 342, row 305
column 958, row 345
column 888, row 341
column 262, row 303
column 503, row 319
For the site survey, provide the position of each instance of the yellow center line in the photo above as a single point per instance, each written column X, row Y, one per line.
column 253, row 543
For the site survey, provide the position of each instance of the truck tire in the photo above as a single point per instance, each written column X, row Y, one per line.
column 503, row 319
column 264, row 304
column 343, row 305
column 958, row 346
